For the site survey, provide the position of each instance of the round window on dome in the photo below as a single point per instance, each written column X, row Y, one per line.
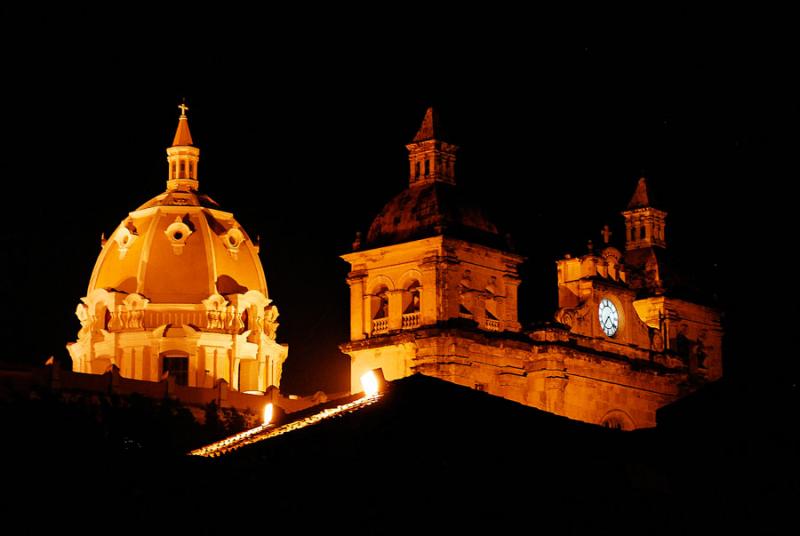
column 178, row 232
column 233, row 239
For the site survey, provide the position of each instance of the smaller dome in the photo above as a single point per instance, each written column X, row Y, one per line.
column 431, row 209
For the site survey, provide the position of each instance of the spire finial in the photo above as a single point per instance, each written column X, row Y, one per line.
column 641, row 197
column 182, row 135
column 429, row 127
column 182, row 156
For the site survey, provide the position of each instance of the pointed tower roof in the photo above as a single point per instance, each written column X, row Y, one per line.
column 641, row 198
column 430, row 126
column 183, row 138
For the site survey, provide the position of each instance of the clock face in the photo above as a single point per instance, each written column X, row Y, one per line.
column 609, row 317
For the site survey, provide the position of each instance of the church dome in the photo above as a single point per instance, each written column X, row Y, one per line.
column 179, row 247
column 429, row 209
column 432, row 204
column 178, row 291
column 175, row 250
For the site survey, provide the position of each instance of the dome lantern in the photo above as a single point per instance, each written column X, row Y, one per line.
column 183, row 157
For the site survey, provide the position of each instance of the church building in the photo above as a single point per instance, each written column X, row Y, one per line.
column 178, row 290
column 433, row 289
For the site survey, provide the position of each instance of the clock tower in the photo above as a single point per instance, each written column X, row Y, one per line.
column 628, row 304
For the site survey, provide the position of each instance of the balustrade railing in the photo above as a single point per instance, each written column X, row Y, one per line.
column 380, row 325
column 410, row 320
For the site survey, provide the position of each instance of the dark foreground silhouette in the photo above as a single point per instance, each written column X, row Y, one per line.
column 429, row 456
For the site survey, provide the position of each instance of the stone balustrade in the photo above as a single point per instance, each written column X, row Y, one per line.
column 380, row 325
column 411, row 320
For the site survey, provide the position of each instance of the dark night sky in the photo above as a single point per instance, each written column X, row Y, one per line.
column 302, row 129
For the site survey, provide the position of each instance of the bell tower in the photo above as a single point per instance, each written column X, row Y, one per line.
column 644, row 224
column 430, row 158
column 432, row 261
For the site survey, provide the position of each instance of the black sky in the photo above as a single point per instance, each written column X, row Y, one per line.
column 302, row 128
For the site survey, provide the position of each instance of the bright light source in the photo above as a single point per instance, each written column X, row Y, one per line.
column 268, row 413
column 370, row 383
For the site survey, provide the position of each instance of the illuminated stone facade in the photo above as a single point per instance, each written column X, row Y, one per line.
column 179, row 290
column 433, row 289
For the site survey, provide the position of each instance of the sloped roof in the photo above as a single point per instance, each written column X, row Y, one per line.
column 434, row 452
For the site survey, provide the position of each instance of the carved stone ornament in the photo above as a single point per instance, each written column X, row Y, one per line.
column 232, row 240
column 125, row 236
column 177, row 233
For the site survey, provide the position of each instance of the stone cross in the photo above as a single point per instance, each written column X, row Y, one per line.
column 606, row 232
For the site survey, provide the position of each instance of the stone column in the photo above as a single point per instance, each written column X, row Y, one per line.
column 263, row 373
column 479, row 313
column 200, row 371
column 555, row 384
column 191, row 373
column 138, row 363
column 222, row 371
column 235, row 374
column 395, row 308
column 511, row 318
column 428, row 296
column 447, row 283
column 155, row 361
column 359, row 306
column 126, row 363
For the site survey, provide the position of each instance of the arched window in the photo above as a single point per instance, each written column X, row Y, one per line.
column 618, row 420
column 411, row 298
column 427, row 167
column 641, row 232
column 380, row 303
